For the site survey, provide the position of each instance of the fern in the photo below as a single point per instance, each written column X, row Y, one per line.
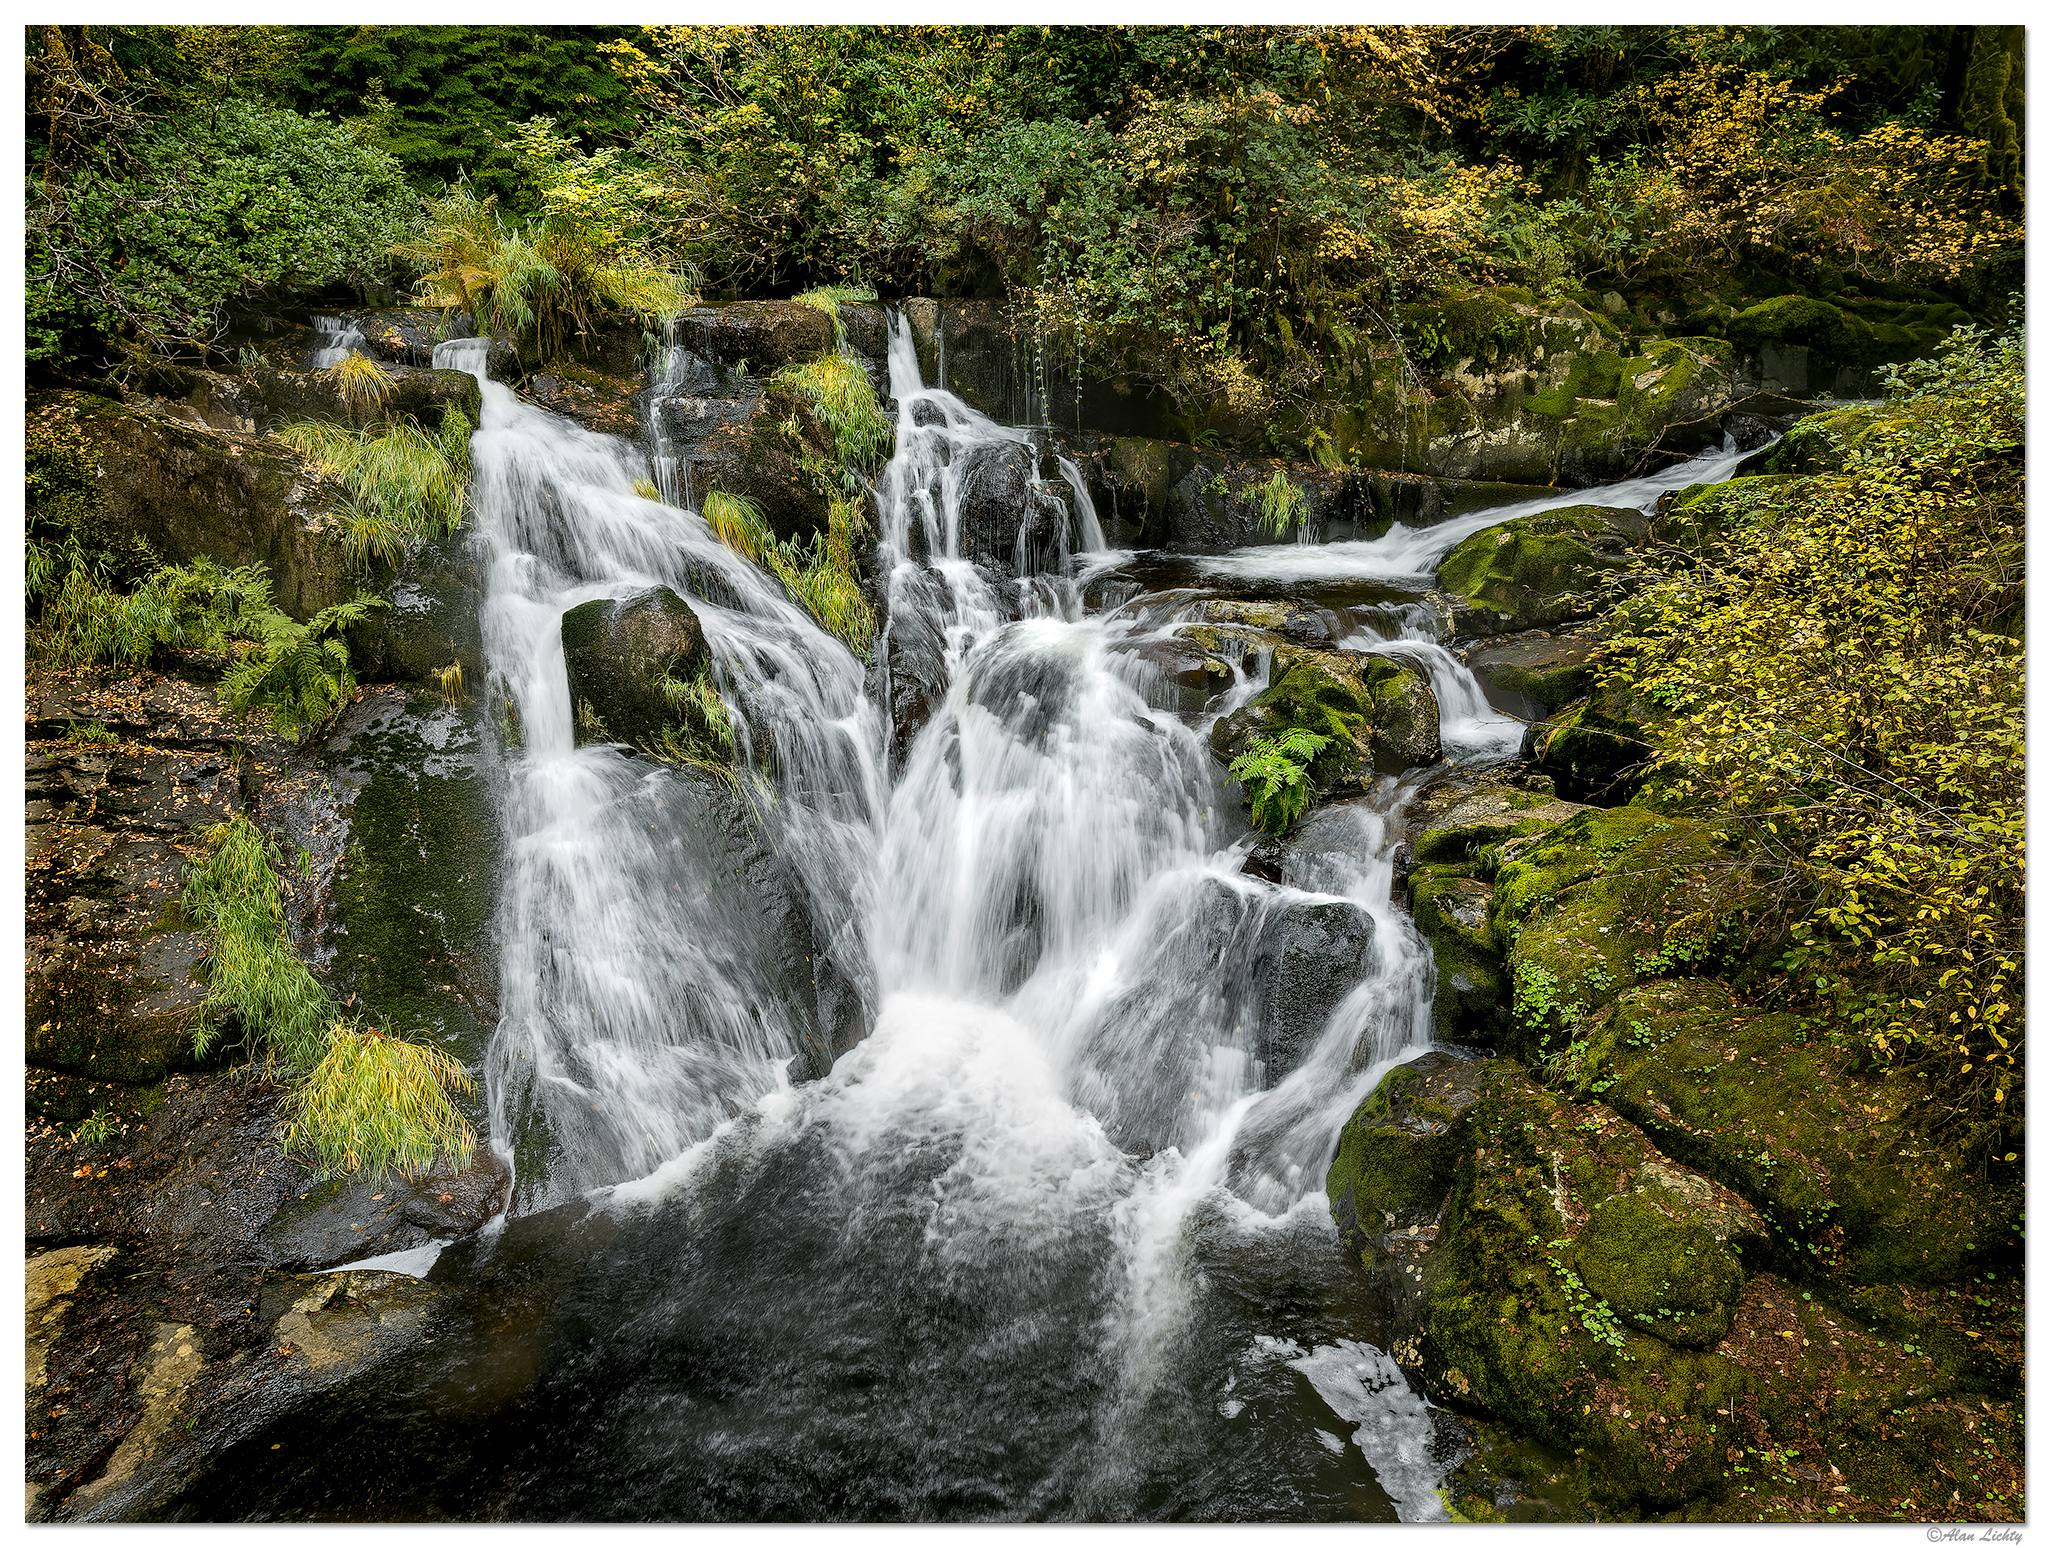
column 1276, row 774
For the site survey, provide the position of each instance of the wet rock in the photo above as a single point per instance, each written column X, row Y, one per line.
column 407, row 335
column 52, row 1277
column 347, row 1219
column 429, row 623
column 1015, row 508
column 763, row 334
column 1537, row 671
column 1537, row 571
column 1180, row 675
column 1311, row 955
column 618, row 651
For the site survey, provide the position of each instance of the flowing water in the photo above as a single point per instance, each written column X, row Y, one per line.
column 1049, row 1241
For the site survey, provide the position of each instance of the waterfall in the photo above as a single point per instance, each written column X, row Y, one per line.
column 335, row 339
column 1050, row 1240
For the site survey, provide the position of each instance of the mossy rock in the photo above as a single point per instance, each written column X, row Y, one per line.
column 1661, row 1269
column 618, row 651
column 1482, row 325
column 1585, row 912
column 1462, row 816
column 1549, row 670
column 1804, row 321
column 1377, row 713
column 1397, row 1152
column 1470, row 1003
column 1515, row 1329
column 1593, row 751
column 1835, row 1161
column 1535, row 571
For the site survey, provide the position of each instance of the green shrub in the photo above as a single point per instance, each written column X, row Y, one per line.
column 205, row 208
column 544, row 281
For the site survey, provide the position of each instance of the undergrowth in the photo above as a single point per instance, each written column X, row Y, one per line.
column 405, row 484
column 360, row 1098
column 298, row 673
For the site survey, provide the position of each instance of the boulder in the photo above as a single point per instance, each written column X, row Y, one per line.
column 1593, row 751
column 1311, row 955
column 425, row 395
column 1537, row 571
column 1537, row 671
column 1378, row 715
column 618, row 651
column 763, row 334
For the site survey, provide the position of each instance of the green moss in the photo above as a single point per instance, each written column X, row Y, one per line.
column 1803, row 320
column 1480, row 325
column 1535, row 571
column 1451, row 911
column 1362, row 704
column 1668, row 1276
column 1593, row 752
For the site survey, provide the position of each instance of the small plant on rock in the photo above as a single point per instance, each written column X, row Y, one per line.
column 1276, row 773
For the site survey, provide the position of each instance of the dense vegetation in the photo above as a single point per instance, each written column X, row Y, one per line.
column 1836, row 655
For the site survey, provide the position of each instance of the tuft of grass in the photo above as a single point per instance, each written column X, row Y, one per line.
column 450, row 680
column 840, row 393
column 1281, row 503
column 364, row 385
column 380, row 1103
column 97, row 1129
column 91, row 733
column 702, row 711
column 820, row 578
column 405, row 484
column 830, row 298
column 645, row 488
column 253, row 975
column 738, row 522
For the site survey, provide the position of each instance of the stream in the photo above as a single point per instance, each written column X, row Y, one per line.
column 1050, row 1241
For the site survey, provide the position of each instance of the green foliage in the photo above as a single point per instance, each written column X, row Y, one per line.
column 821, row 577
column 98, row 1127
column 298, row 672
column 840, row 393
column 145, row 252
column 91, row 733
column 1841, row 677
column 379, row 1103
column 438, row 98
column 252, row 973
column 1276, row 774
column 545, row 281
column 1281, row 503
column 406, row 484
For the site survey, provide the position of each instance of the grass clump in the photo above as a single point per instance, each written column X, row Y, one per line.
column 380, row 1102
column 405, row 484
column 1281, row 503
column 820, row 576
column 360, row 1098
column 364, row 385
column 1276, row 773
column 544, row 281
column 830, row 298
column 839, row 392
column 253, row 975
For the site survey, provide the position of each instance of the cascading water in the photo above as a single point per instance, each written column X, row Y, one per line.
column 1049, row 1241
column 334, row 340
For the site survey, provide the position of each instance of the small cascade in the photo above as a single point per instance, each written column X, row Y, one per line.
column 334, row 340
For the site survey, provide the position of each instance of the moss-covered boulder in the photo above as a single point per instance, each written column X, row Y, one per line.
column 1699, row 516
column 1659, row 1267
column 1589, row 909
column 1535, row 571
column 620, row 654
column 1377, row 714
column 1397, row 1153
column 763, row 334
column 1852, row 1185
column 1541, row 671
column 1594, row 751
